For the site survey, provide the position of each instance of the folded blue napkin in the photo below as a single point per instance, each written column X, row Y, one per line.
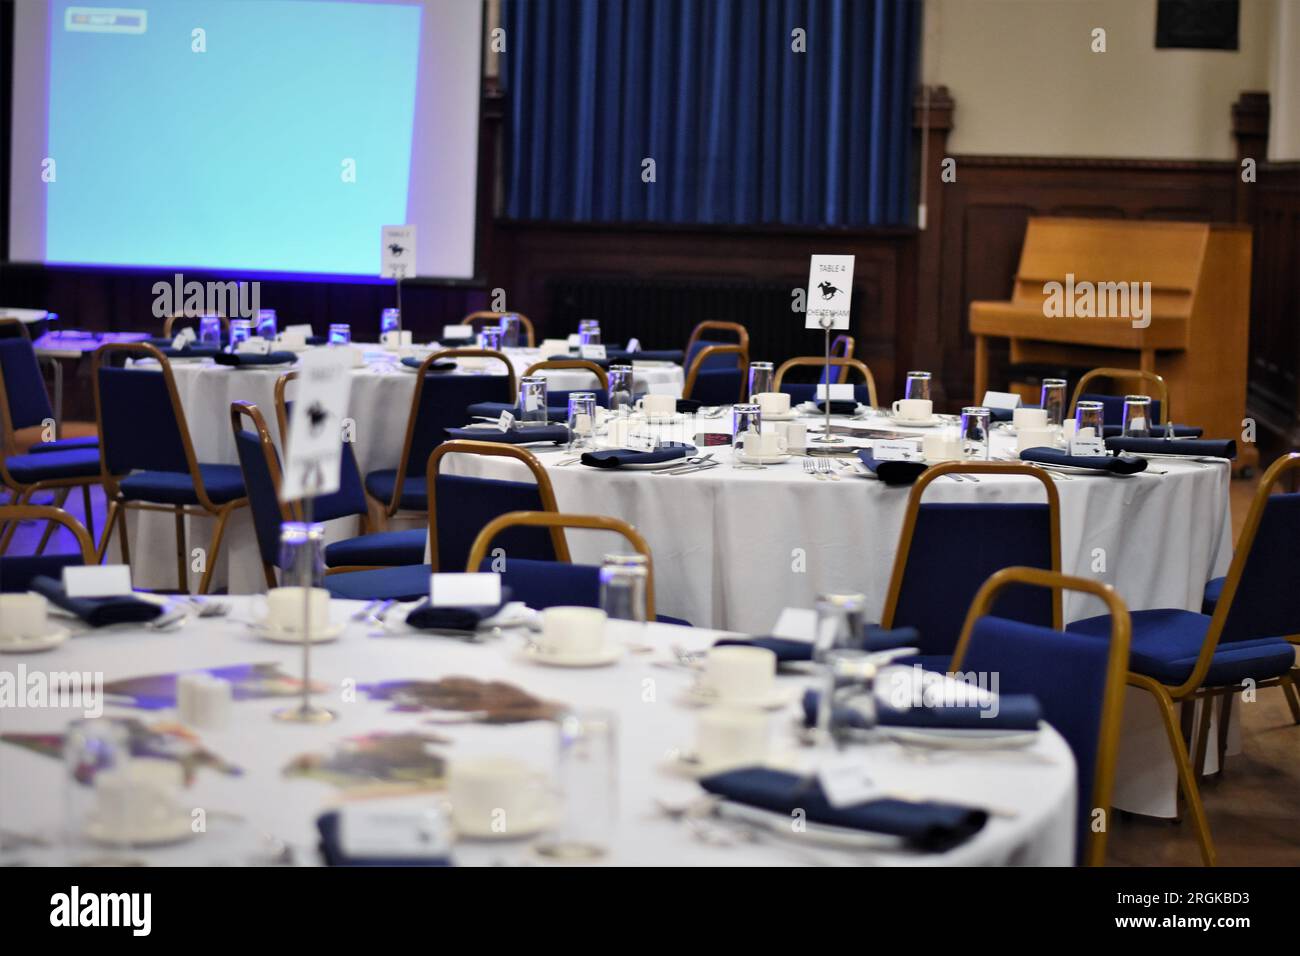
column 97, row 612
column 788, row 650
column 1157, row 431
column 623, row 356
column 523, row 435
column 1014, row 712
column 1195, row 447
column 839, row 406
column 1115, row 465
column 1005, row 414
column 426, row 617
column 327, row 824
column 618, row 457
column 688, row 406
column 892, row 472
column 929, row 826
column 440, row 366
column 242, row 359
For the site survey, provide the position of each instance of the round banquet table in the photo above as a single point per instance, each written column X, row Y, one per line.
column 1030, row 792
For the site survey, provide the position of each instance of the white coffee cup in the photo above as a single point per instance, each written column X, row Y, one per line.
column 23, row 616
column 284, row 609
column 137, row 796
column 764, row 444
column 794, row 433
column 1035, row 438
column 941, row 447
column 656, row 406
column 1029, row 418
column 731, row 737
column 493, row 794
column 739, row 674
column 573, row 631
column 773, row 403
column 913, row 409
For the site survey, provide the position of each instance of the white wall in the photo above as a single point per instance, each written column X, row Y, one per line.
column 1026, row 82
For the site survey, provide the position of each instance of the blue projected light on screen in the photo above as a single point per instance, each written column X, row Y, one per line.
column 234, row 158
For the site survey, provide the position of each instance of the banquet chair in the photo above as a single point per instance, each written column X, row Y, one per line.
column 807, row 391
column 381, row 549
column 946, row 551
column 30, row 465
column 148, row 460
column 192, row 321
column 483, row 319
column 1113, row 405
column 260, row 464
column 711, row 384
column 438, row 403
column 1182, row 657
column 16, row 572
column 697, row 342
column 1078, row 681
column 543, row 584
column 557, row 399
column 460, row 506
column 11, row 328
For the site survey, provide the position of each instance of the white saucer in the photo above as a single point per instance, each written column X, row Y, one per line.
column 789, row 416
column 685, row 764
column 952, row 739
column 780, row 697
column 28, row 645
column 281, row 636
column 542, row 820
column 175, row 830
column 607, row 656
column 762, row 459
column 932, row 421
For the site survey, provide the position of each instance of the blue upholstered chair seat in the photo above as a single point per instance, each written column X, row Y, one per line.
column 1167, row 641
column 400, row 584
column 17, row 572
column 64, row 444
column 665, row 619
column 415, row 495
column 387, row 548
column 1213, row 591
column 930, row 662
column 51, row 465
column 807, row 392
column 223, row 483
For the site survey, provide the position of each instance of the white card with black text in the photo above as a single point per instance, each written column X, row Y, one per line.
column 398, row 252
column 830, row 292
column 475, row 589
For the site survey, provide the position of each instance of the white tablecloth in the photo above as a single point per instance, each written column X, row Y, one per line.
column 1033, row 790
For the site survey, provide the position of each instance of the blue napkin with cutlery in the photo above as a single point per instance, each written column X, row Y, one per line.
column 1115, row 465
column 523, row 435
column 929, row 826
column 246, row 359
column 1014, row 712
column 618, row 457
column 1157, row 431
column 892, row 472
column 441, row 365
column 789, row 650
column 1193, row 447
column 100, row 611
column 426, row 617
column 331, row 849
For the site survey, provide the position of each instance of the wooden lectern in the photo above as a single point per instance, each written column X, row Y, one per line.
column 1198, row 311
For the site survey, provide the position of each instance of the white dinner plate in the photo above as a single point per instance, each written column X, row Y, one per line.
column 789, row 416
column 605, row 657
column 762, row 459
column 931, row 422
column 178, row 829
column 950, row 739
column 30, row 645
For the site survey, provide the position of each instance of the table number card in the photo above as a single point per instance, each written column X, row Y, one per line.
column 1088, row 447
column 506, row 422
column 642, row 442
column 315, row 448
column 97, row 580
column 830, row 291
column 596, row 352
column 397, row 252
column 473, row 589
column 839, row 393
column 254, row 346
column 457, row 333
column 796, row 624
column 1001, row 400
column 895, row 451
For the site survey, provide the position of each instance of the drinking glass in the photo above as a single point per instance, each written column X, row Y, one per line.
column 1089, row 419
column 975, row 431
column 210, row 330
column 390, row 320
column 532, row 399
column 241, row 330
column 302, row 554
column 841, row 619
column 490, row 338
column 845, row 668
column 510, row 331
column 1137, row 416
column 1053, row 400
column 582, row 418
column 267, row 324
column 760, row 379
column 918, row 385
column 623, row 580
column 743, row 419
column 340, row 333
column 620, row 387
column 589, row 332
column 90, row 746
column 587, row 779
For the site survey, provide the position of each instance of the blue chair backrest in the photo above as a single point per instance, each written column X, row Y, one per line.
column 1066, row 672
column 725, row 360
column 955, row 549
column 140, row 430
column 543, row 584
column 350, row 499
column 1113, row 408
column 714, row 386
column 560, row 399
column 442, row 406
column 807, row 391
column 263, row 500
column 1267, row 602
column 29, row 403
column 17, row 572
column 465, row 505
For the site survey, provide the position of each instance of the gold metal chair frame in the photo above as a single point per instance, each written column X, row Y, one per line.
column 708, row 352
column 742, row 333
column 936, row 472
column 1161, row 387
column 545, row 490
column 842, row 347
column 583, row 364
column 9, row 322
column 542, row 519
column 117, row 505
column 391, row 507
column 844, row 365
column 171, row 321
column 485, row 317
column 1112, row 706
column 54, row 516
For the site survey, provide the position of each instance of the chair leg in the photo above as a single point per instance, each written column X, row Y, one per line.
column 89, row 511
column 215, row 550
column 182, row 577
column 1186, row 778
column 60, row 500
column 126, row 538
column 10, row 528
column 110, row 519
column 1200, row 746
column 1225, row 716
column 1292, row 699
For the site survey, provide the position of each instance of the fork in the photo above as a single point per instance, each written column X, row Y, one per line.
column 810, row 468
column 824, row 464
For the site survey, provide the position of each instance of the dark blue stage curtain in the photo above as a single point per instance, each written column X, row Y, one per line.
column 742, row 129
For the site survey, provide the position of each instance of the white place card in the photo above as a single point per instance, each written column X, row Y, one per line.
column 397, row 252
column 471, row 589
column 396, row 338
column 592, row 352
column 847, row 781
column 1088, row 447
column 884, row 450
column 380, row 829
column 184, row 338
column 830, row 292
column 642, row 442
column 457, row 333
column 574, row 340
column 253, row 346
column 506, row 421
column 97, row 580
column 303, row 329
column 839, row 393
column 796, row 624
column 1000, row 400
column 314, row 457
column 633, row 345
